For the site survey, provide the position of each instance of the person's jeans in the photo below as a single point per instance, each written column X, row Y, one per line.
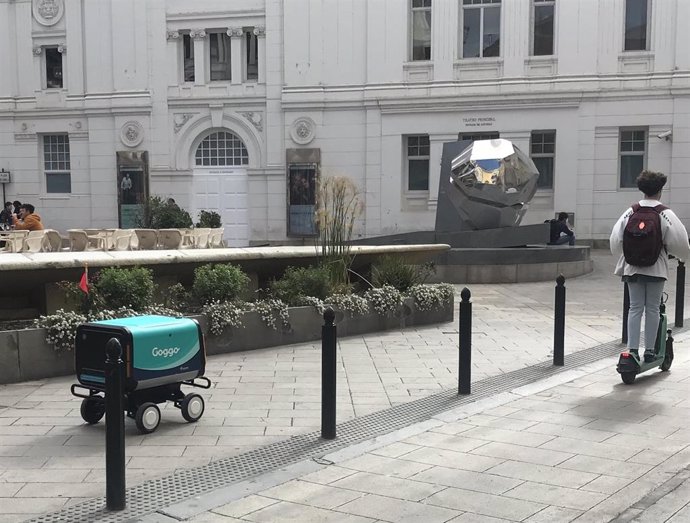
column 562, row 240
column 644, row 296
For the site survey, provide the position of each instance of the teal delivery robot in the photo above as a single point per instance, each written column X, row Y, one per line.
column 159, row 353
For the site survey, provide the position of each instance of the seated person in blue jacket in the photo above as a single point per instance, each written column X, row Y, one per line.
column 560, row 232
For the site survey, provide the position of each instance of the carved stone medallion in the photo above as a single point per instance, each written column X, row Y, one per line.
column 48, row 12
column 303, row 130
column 132, row 134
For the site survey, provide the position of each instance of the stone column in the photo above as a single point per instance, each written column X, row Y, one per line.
column 199, row 37
column 236, row 56
column 176, row 75
column 260, row 32
column 38, row 68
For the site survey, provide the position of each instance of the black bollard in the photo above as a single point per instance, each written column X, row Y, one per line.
column 114, row 427
column 559, row 322
column 328, row 377
column 680, row 294
column 626, row 309
column 465, row 356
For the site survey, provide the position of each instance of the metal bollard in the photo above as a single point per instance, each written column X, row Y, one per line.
column 328, row 374
column 114, row 427
column 465, row 355
column 680, row 294
column 626, row 309
column 559, row 322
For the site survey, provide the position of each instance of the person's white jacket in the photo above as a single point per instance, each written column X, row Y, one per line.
column 675, row 239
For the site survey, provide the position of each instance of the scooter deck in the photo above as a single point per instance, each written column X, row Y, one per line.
column 643, row 366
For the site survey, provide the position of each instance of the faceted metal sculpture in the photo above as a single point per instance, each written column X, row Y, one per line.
column 492, row 184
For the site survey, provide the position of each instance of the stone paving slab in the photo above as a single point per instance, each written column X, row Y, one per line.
column 266, row 395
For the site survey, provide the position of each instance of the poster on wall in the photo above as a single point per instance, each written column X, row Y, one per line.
column 132, row 187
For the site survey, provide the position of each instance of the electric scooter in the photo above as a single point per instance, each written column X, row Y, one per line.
column 630, row 365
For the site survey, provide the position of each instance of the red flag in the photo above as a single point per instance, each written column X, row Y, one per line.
column 84, row 282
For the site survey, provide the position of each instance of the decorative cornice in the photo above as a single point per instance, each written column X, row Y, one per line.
column 172, row 35
column 62, row 48
column 197, row 34
column 260, row 31
column 234, row 32
column 37, row 50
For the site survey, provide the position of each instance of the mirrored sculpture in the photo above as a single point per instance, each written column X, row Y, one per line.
column 491, row 184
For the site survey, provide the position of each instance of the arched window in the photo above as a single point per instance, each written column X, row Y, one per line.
column 221, row 148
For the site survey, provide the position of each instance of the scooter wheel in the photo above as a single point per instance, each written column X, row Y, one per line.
column 147, row 418
column 192, row 407
column 92, row 409
column 628, row 377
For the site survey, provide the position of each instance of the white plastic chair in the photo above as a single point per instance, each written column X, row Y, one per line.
column 34, row 241
column 170, row 239
column 121, row 240
column 80, row 241
column 145, row 239
column 215, row 238
column 52, row 241
column 201, row 238
column 14, row 241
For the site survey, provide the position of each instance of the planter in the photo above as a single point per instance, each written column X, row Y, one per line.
column 25, row 355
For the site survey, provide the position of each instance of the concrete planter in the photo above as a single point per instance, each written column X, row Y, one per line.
column 25, row 354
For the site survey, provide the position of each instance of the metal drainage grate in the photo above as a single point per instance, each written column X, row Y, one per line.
column 150, row 496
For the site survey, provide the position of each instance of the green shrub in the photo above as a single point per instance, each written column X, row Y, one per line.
column 221, row 282
column 132, row 288
column 164, row 214
column 298, row 282
column 391, row 270
column 209, row 219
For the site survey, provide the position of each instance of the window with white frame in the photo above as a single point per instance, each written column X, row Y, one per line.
column 633, row 152
column 53, row 63
column 480, row 30
column 251, row 43
column 187, row 58
column 56, row 163
column 542, row 27
column 636, row 25
column 421, row 30
column 219, row 55
column 543, row 154
column 221, row 148
column 417, row 162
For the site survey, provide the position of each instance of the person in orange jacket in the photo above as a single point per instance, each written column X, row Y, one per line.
column 28, row 220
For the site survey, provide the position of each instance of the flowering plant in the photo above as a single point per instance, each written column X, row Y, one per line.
column 429, row 297
column 384, row 300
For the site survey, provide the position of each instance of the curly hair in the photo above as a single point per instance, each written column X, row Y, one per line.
column 650, row 182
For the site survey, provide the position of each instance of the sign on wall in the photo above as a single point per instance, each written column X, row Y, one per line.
column 132, row 187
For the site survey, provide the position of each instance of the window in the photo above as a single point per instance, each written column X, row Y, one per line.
column 56, row 163
column 53, row 68
column 487, row 135
column 188, row 58
column 301, row 199
column 633, row 146
column 219, row 46
column 543, row 154
column 421, row 29
column 251, row 42
column 221, row 148
column 542, row 29
column 481, row 28
column 418, row 163
column 636, row 25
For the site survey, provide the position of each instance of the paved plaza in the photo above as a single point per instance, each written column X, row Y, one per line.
column 50, row 459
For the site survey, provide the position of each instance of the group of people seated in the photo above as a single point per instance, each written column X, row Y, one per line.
column 20, row 216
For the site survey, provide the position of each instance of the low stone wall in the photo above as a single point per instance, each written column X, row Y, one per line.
column 25, row 355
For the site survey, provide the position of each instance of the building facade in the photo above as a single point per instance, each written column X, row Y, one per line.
column 242, row 106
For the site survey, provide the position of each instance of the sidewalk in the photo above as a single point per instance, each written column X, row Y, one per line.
column 589, row 449
column 49, row 459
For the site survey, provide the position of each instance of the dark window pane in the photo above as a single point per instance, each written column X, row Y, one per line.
column 53, row 68
column 492, row 31
column 418, row 175
column 478, row 136
column 470, row 33
column 188, row 58
column 545, row 168
column 635, row 25
column 301, row 200
column 631, row 167
column 219, row 49
column 252, row 43
column 58, row 183
column 543, row 30
column 421, row 35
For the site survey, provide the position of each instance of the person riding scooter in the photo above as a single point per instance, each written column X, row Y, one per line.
column 642, row 239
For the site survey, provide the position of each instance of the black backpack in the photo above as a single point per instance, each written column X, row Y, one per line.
column 642, row 237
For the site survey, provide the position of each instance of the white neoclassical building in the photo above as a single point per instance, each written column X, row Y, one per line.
column 239, row 106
